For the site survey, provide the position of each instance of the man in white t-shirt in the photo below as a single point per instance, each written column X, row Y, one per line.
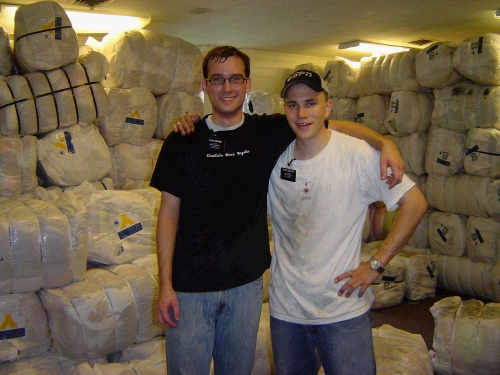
column 319, row 192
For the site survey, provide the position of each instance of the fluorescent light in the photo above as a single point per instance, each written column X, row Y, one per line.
column 83, row 22
column 372, row 47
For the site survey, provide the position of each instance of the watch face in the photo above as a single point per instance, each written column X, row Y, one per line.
column 375, row 264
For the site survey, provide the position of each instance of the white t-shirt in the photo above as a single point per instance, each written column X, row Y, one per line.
column 317, row 228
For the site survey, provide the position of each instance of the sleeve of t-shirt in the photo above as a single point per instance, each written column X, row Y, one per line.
column 167, row 173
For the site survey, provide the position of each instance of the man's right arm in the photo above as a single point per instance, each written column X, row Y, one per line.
column 168, row 219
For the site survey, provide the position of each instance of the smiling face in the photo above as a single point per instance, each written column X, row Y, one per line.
column 226, row 99
column 306, row 111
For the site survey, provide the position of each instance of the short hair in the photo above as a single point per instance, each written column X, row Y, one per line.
column 221, row 54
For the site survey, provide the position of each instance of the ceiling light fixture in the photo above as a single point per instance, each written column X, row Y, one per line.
column 83, row 22
column 372, row 47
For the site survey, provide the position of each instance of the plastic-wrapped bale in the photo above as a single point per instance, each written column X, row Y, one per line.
column 24, row 329
column 43, row 37
column 483, row 239
column 434, row 66
column 447, row 233
column 71, row 156
column 363, row 82
column 81, row 319
column 85, row 368
column 133, row 165
column 263, row 363
column 463, row 194
column 403, row 73
column 259, row 103
column 131, row 116
column 389, row 287
column 445, row 152
column 401, row 352
column 42, row 364
column 148, row 263
column 464, row 276
column 413, row 149
column 6, row 271
column 76, row 214
column 145, row 289
column 409, row 112
column 24, row 236
column 478, row 59
column 121, row 298
column 343, row 109
column 483, row 149
column 467, row 105
column 151, row 349
column 372, row 111
column 421, row 272
column 380, row 86
column 140, row 58
column 340, row 76
column 188, row 71
column 171, row 106
column 83, row 191
column 6, row 55
column 18, row 112
column 120, row 227
column 69, row 365
column 55, row 245
column 466, row 337
column 95, row 63
column 17, row 165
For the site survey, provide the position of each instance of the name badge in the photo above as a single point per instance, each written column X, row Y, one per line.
column 288, row 174
column 216, row 144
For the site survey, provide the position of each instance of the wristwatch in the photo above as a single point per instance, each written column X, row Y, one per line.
column 375, row 265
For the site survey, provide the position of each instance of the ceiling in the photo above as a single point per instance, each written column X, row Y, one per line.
column 309, row 27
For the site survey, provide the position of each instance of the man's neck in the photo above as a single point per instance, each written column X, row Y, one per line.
column 309, row 148
column 226, row 120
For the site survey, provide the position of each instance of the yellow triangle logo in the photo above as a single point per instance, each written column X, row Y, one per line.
column 125, row 221
column 135, row 114
column 61, row 143
column 7, row 322
column 49, row 26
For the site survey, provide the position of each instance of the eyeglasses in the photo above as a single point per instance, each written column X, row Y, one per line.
column 234, row 80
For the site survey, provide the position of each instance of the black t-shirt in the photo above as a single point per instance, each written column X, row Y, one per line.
column 222, row 239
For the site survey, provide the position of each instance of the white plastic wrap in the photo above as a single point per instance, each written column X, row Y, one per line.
column 81, row 319
column 17, row 165
column 42, row 364
column 55, row 245
column 413, row 149
column 24, row 330
column 120, row 227
column 464, row 276
column 121, row 298
column 409, row 112
column 434, row 66
column 483, row 239
column 343, row 109
column 403, row 73
column 421, row 272
column 133, row 164
column 478, row 59
column 363, row 81
column 466, row 106
column 131, row 116
column 447, row 234
column 171, row 106
column 380, row 86
column 6, row 54
column 24, row 236
column 74, row 155
column 340, row 76
column 95, row 63
column 43, row 37
column 256, row 102
column 18, row 113
column 483, row 151
column 445, row 152
column 372, row 111
column 145, row 289
column 400, row 352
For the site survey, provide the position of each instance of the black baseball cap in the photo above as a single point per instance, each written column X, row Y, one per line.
column 312, row 79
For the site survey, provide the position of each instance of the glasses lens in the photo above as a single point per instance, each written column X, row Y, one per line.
column 217, row 81
column 237, row 80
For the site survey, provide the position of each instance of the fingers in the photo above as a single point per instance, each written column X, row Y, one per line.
column 163, row 317
column 185, row 124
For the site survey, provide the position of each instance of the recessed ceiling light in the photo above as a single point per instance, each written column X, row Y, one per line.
column 201, row 10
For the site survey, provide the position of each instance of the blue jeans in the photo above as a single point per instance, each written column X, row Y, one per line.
column 222, row 325
column 343, row 348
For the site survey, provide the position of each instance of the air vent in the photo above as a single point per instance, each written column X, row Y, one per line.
column 421, row 42
column 91, row 3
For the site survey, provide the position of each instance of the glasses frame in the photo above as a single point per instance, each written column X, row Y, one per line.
column 230, row 79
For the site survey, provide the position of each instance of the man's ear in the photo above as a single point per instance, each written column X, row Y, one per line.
column 249, row 84
column 328, row 108
column 204, row 85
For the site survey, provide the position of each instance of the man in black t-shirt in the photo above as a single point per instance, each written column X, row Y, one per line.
column 212, row 238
